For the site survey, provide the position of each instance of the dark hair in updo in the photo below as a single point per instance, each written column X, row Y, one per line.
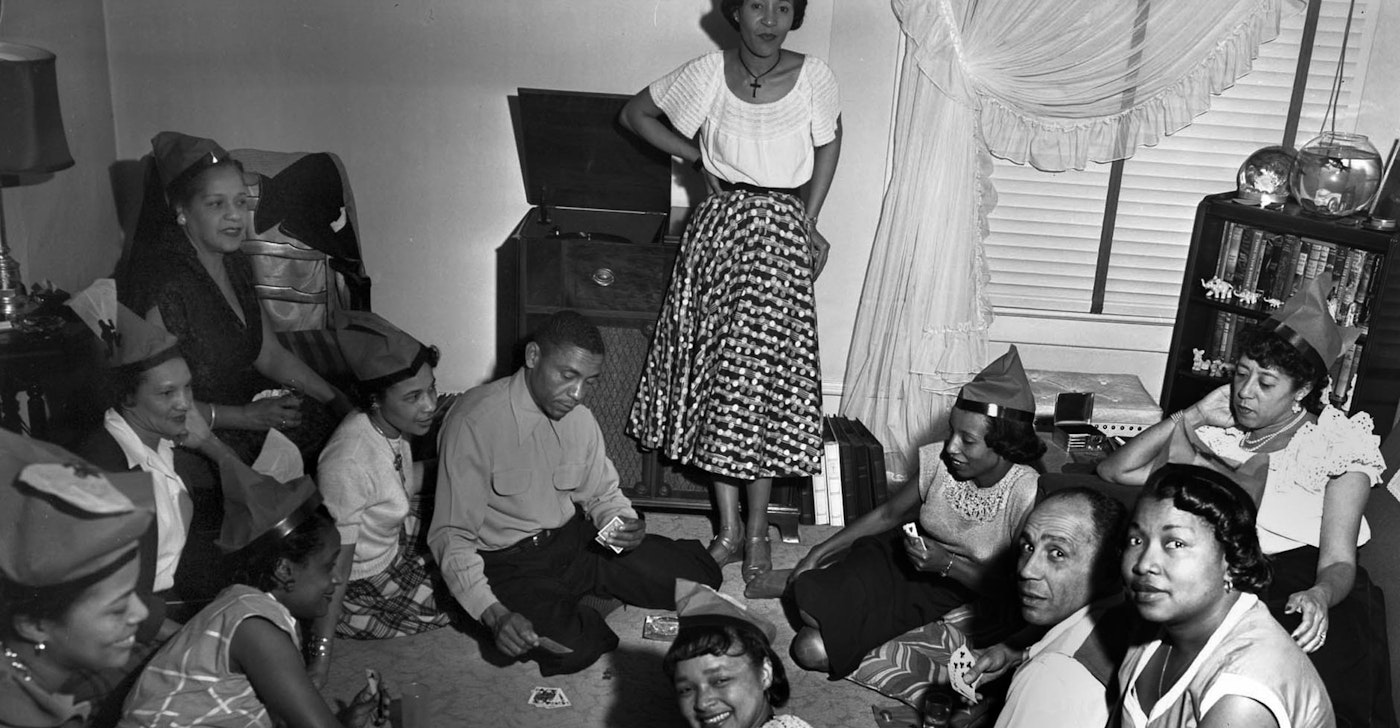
column 730, row 9
column 365, row 394
column 1223, row 504
column 256, row 563
column 182, row 190
column 734, row 638
column 1268, row 349
column 1015, row 441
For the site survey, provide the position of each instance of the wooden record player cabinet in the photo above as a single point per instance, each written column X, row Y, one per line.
column 600, row 239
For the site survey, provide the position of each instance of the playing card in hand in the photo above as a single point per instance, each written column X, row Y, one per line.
column 606, row 531
column 911, row 533
column 959, row 664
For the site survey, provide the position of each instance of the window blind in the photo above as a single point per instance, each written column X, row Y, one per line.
column 1046, row 228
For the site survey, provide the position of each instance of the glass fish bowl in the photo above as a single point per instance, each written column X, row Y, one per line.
column 1336, row 174
column 1263, row 178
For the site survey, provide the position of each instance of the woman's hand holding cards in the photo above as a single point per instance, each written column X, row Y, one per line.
column 370, row 706
column 925, row 555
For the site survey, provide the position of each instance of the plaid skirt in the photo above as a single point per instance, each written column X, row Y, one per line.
column 732, row 383
column 400, row 600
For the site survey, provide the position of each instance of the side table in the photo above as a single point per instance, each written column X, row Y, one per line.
column 54, row 370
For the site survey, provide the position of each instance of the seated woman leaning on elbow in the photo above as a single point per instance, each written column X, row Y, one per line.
column 70, row 564
column 972, row 493
column 238, row 661
column 187, row 274
column 1310, row 469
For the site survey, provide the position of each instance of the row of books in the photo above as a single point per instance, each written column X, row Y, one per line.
column 1225, row 336
column 852, row 481
column 1275, row 265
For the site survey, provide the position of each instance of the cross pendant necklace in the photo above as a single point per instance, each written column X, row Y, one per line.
column 754, row 84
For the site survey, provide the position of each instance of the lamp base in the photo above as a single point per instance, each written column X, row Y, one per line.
column 12, row 302
column 12, row 298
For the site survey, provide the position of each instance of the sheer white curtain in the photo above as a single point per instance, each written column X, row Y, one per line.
column 1053, row 84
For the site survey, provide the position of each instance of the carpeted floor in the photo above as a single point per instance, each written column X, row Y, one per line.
column 624, row 689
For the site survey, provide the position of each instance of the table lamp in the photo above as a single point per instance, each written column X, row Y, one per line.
column 31, row 141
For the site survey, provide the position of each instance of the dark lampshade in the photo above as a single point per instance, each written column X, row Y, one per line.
column 31, row 127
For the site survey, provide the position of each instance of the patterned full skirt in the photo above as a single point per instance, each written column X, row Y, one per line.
column 732, row 384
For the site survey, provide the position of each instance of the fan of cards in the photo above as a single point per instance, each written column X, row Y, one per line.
column 606, row 531
column 548, row 698
column 959, row 664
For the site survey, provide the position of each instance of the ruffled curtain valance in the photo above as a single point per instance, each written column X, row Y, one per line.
column 1052, row 84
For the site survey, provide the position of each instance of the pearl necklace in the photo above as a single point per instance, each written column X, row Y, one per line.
column 398, row 456
column 1248, row 446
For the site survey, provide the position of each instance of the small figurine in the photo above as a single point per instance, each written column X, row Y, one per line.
column 1272, row 303
column 1218, row 288
column 1248, row 298
column 1198, row 362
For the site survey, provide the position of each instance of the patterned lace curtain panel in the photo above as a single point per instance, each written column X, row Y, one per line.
column 1052, row 84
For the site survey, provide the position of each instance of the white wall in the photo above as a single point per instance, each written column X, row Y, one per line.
column 64, row 228
column 413, row 97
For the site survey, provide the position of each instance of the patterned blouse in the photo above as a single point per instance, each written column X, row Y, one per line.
column 190, row 679
column 978, row 524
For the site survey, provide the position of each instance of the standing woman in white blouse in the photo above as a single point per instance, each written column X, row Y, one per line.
column 732, row 383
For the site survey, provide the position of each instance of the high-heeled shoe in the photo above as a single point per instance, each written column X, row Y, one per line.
column 758, row 557
column 727, row 547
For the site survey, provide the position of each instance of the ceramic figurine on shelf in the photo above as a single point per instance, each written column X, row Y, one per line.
column 1198, row 362
column 1247, row 298
column 1218, row 288
column 1272, row 303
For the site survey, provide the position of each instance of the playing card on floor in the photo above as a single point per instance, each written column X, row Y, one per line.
column 547, row 698
column 959, row 664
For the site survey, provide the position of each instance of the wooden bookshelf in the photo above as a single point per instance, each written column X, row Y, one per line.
column 1273, row 252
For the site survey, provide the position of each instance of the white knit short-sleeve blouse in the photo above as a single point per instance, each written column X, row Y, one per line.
column 769, row 145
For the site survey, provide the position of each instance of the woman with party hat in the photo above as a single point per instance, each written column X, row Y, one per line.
column 973, row 491
column 375, row 490
column 723, row 664
column 70, row 565
column 186, row 273
column 238, row 661
column 151, row 412
column 1310, row 469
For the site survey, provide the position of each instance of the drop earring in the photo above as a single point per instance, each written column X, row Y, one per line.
column 1297, row 407
column 180, row 219
column 39, row 648
column 1229, row 584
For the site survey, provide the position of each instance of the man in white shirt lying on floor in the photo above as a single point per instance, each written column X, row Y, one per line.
column 1069, row 582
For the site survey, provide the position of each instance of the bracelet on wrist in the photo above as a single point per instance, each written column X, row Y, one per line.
column 213, row 414
column 319, row 647
column 811, row 221
column 948, row 568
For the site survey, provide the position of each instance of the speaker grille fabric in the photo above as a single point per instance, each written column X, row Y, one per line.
column 611, row 400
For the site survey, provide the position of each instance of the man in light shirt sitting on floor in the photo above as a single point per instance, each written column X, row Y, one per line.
column 1070, row 585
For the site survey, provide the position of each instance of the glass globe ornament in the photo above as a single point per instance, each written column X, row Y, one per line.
column 1263, row 178
column 1336, row 174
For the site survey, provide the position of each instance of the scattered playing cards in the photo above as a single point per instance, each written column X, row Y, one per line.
column 661, row 627
column 606, row 531
column 959, row 664
column 549, row 698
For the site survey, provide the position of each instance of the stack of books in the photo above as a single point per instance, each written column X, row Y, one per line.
column 852, row 480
